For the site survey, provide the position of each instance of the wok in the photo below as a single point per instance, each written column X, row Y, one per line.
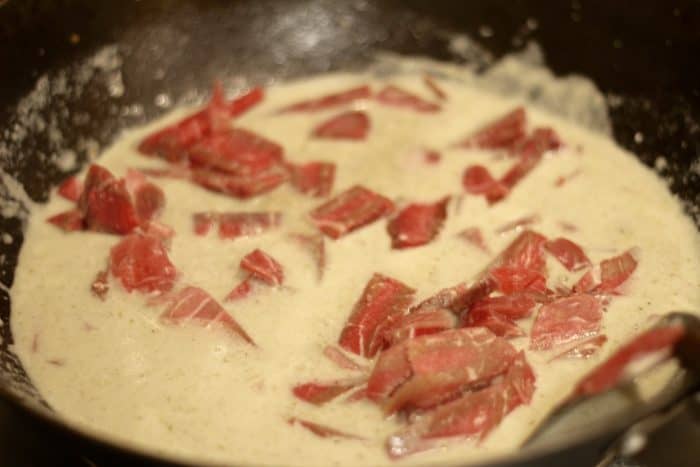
column 641, row 54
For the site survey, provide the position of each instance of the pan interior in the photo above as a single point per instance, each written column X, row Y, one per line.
column 92, row 86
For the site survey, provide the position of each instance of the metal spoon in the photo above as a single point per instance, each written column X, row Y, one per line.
column 621, row 409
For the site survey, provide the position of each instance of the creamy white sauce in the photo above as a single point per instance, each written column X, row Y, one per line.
column 113, row 367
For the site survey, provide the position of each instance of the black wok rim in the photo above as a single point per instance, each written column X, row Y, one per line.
column 624, row 135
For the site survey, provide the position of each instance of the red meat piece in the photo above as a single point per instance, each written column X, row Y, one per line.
column 192, row 304
column 502, row 133
column 156, row 229
column 314, row 178
column 428, row 370
column 106, row 203
column 243, row 224
column 615, row 271
column 653, row 346
column 473, row 414
column 320, row 393
column 96, row 177
column 263, row 267
column 514, row 306
column 586, row 283
column 350, row 210
column 70, row 221
column 540, row 141
column 477, row 180
column 331, row 100
column 390, row 371
column 526, row 251
column 216, row 111
column 107, row 206
column 245, row 101
column 71, row 189
column 241, row 186
column 204, row 221
column 172, row 143
column 357, row 395
column 141, row 263
column 172, row 171
column 321, row 431
column 566, row 320
column 352, row 125
column 337, row 356
column 474, row 236
column 240, row 291
column 394, row 96
column 420, row 324
column 457, row 299
column 148, row 201
column 110, row 205
column 510, row 279
column 569, row 254
column 529, row 154
column 236, row 151
column 499, row 324
column 417, row 224
column 382, row 302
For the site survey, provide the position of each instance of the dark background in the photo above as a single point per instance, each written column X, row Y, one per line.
column 643, row 54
